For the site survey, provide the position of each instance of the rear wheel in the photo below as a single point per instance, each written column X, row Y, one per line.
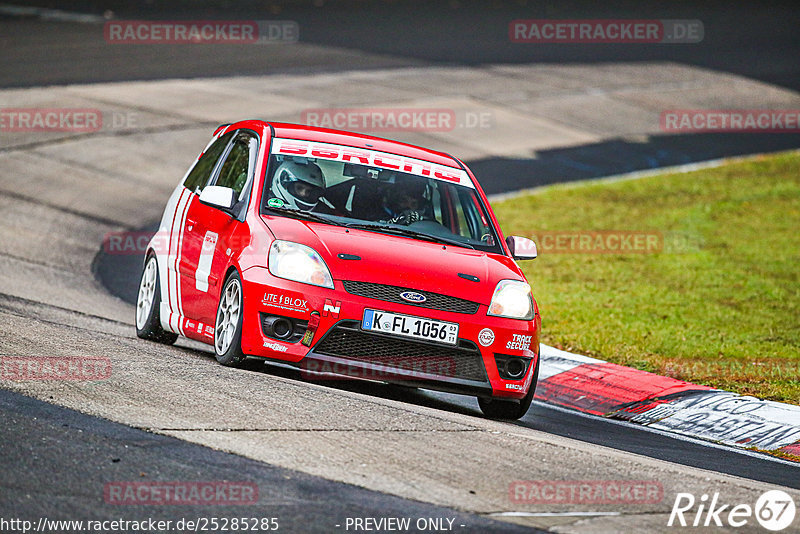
column 503, row 409
column 228, row 327
column 148, row 306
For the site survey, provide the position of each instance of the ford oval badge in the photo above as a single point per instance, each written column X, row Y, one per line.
column 413, row 296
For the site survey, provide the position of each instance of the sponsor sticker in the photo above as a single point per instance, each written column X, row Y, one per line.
column 373, row 158
column 275, row 346
column 519, row 342
column 285, row 300
column 331, row 309
column 486, row 337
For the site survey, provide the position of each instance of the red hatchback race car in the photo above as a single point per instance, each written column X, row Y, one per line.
column 344, row 254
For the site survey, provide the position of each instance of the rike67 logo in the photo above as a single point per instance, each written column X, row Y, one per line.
column 774, row 510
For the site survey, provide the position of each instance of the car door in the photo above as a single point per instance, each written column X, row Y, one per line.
column 209, row 236
column 179, row 238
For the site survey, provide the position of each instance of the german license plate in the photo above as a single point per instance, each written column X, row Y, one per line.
column 410, row 326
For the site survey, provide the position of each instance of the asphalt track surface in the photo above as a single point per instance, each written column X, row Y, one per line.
column 54, row 459
column 40, row 438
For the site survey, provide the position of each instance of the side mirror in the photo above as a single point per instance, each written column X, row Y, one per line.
column 521, row 248
column 218, row 197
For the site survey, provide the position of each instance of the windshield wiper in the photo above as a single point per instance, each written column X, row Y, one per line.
column 304, row 215
column 407, row 232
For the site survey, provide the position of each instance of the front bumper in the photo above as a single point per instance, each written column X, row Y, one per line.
column 340, row 347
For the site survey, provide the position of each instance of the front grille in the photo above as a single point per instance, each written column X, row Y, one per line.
column 434, row 301
column 346, row 340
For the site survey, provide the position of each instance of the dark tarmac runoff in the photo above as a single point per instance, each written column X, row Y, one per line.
column 57, row 464
column 758, row 41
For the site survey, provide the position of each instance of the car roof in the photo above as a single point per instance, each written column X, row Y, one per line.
column 340, row 137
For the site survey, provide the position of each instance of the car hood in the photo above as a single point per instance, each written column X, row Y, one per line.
column 400, row 261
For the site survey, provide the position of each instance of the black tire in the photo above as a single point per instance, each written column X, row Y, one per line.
column 148, row 306
column 512, row 410
column 228, row 349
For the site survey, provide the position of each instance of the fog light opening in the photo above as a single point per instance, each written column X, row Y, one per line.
column 515, row 368
column 280, row 327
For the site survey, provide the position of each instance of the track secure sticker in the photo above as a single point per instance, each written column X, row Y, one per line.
column 486, row 337
column 519, row 342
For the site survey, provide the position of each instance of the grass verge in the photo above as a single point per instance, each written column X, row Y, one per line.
column 711, row 296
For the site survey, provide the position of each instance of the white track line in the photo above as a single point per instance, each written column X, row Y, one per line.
column 56, row 15
column 551, row 514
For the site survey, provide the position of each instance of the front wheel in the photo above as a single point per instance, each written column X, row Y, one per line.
column 503, row 409
column 148, row 305
column 228, row 327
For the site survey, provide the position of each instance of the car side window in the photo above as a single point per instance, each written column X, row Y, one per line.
column 201, row 172
column 239, row 163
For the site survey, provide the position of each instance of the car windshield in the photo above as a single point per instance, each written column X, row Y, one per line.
column 378, row 199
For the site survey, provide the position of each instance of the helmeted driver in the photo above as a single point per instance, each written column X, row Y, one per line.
column 404, row 202
column 299, row 185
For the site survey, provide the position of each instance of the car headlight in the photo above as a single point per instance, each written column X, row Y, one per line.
column 512, row 299
column 300, row 263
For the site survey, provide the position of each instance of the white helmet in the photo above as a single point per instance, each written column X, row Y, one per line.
column 299, row 185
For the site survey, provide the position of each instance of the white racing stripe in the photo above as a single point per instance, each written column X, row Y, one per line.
column 178, row 293
column 178, row 215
